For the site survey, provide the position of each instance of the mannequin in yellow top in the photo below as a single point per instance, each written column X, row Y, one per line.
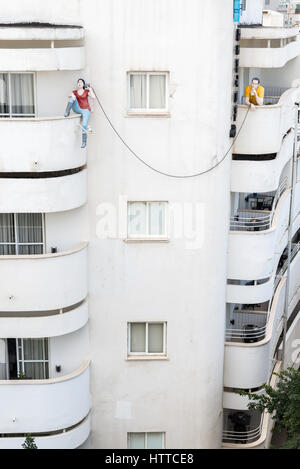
column 254, row 94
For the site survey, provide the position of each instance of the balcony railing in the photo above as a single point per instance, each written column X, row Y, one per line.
column 254, row 220
column 242, row 427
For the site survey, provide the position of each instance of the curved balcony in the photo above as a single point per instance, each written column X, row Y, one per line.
column 269, row 57
column 257, row 431
column 251, row 254
column 42, row 144
column 242, row 428
column 232, row 400
column 248, row 356
column 67, row 439
column 40, row 406
column 41, row 60
column 43, row 194
column 261, row 175
column 43, row 282
column 44, row 324
column 266, row 126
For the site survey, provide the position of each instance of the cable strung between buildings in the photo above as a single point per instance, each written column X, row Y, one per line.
column 157, row 170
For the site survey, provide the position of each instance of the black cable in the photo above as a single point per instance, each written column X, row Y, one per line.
column 157, row 170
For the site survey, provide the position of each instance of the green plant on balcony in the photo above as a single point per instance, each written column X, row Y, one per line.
column 21, row 375
column 29, row 443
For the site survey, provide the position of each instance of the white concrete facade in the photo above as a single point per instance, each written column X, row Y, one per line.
column 93, row 280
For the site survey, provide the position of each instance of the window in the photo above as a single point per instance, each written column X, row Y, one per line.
column 17, row 95
column 148, row 92
column 21, row 233
column 32, row 358
column 147, row 220
column 146, row 440
column 145, row 338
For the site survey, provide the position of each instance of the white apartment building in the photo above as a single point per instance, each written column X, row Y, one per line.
column 134, row 302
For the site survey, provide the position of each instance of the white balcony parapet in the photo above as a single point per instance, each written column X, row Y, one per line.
column 43, row 194
column 67, row 439
column 55, row 281
column 40, row 406
column 41, row 60
column 38, row 325
column 261, row 175
column 268, row 33
column 21, row 33
column 265, row 127
column 269, row 57
column 55, row 146
column 252, row 254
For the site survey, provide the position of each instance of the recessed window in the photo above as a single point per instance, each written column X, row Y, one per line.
column 21, row 233
column 146, row 440
column 147, row 338
column 148, row 92
column 147, row 220
column 17, row 95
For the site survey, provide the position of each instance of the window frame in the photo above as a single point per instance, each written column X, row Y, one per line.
column 146, row 353
column 146, row 236
column 17, row 244
column 148, row 110
column 10, row 115
column 21, row 361
column 146, row 439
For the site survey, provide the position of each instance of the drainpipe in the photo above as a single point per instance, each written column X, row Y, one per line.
column 290, row 226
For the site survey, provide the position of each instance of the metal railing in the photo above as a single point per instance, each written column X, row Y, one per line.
column 248, row 326
column 243, row 437
column 272, row 95
column 280, row 274
column 259, row 220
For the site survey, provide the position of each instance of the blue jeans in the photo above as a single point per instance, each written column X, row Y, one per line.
column 85, row 113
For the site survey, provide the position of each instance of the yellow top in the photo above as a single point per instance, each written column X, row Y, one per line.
column 260, row 93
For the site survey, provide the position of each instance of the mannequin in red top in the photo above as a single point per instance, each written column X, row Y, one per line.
column 79, row 102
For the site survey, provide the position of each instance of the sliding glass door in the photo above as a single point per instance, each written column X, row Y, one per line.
column 21, row 233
